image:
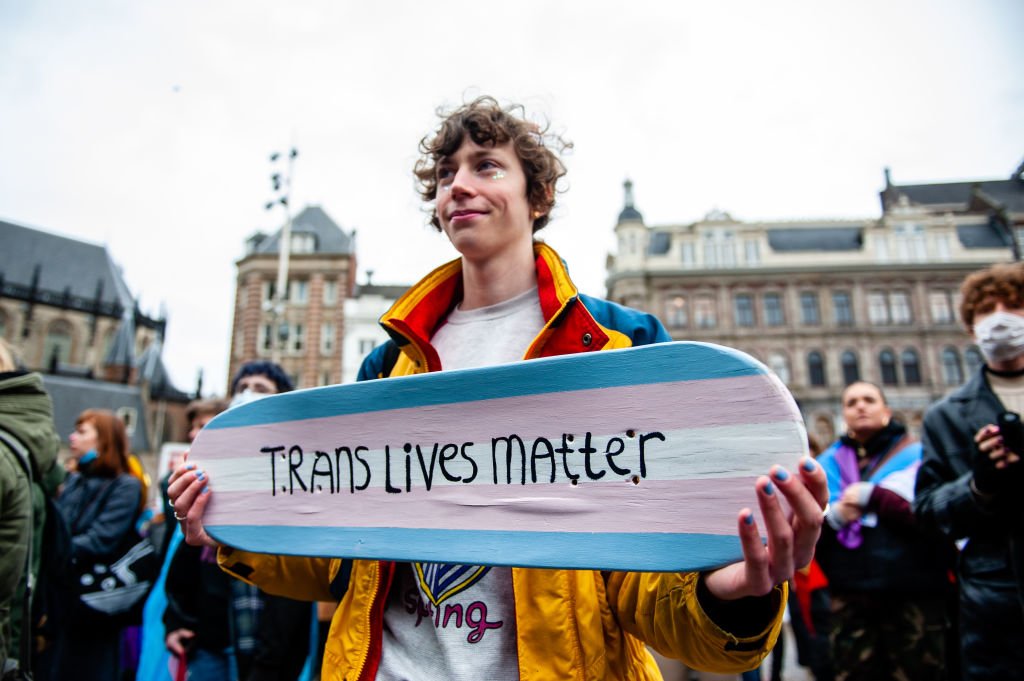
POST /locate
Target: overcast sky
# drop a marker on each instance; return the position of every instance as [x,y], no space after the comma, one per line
[147,126]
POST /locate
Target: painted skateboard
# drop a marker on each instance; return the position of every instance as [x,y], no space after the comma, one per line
[636,459]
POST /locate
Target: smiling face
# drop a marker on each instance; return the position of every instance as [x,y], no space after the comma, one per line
[84,439]
[481,201]
[864,411]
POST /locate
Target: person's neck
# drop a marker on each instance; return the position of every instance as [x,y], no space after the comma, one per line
[496,280]
[1009,366]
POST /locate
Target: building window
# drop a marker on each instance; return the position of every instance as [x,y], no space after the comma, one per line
[899,307]
[57,345]
[298,291]
[325,378]
[704,312]
[752,252]
[810,314]
[779,363]
[815,368]
[972,357]
[911,367]
[878,308]
[297,340]
[851,368]
[130,417]
[676,312]
[719,249]
[326,338]
[952,373]
[366,345]
[330,292]
[266,337]
[887,367]
[744,310]
[882,248]
[942,250]
[773,310]
[910,243]
[940,303]
[303,242]
[842,308]
[689,255]
[268,289]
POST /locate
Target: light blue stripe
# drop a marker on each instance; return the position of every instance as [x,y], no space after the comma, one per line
[649,364]
[654,552]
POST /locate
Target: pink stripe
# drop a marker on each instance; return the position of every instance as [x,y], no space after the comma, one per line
[707,506]
[658,407]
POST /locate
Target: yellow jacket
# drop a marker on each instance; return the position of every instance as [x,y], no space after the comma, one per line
[570,624]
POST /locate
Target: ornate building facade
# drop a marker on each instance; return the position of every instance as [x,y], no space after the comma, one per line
[824,303]
[67,311]
[304,333]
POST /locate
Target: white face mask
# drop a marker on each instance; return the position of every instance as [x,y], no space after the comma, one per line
[245,397]
[1000,336]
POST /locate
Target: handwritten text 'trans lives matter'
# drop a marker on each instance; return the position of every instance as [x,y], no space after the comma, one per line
[508,460]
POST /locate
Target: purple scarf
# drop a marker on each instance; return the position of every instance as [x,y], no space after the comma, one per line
[849,473]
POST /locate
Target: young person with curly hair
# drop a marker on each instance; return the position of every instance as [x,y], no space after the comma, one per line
[490,176]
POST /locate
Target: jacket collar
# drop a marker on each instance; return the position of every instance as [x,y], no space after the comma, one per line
[977,401]
[569,327]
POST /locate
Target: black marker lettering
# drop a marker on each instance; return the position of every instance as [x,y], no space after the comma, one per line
[391,489]
[609,455]
[534,456]
[468,458]
[293,469]
[446,457]
[586,450]
[365,465]
[273,469]
[428,473]
[321,456]
[565,450]
[508,457]
[643,440]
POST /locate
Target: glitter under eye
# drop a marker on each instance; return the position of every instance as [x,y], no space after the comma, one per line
[498,175]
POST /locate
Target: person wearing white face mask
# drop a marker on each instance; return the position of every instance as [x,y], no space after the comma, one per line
[971,477]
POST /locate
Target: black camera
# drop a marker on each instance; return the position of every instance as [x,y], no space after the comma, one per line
[1012,430]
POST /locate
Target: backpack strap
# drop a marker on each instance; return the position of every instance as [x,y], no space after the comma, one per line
[23,456]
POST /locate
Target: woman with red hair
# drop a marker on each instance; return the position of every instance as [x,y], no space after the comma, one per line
[101,502]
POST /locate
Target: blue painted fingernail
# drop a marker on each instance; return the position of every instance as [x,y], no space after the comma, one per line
[749,520]
[190,466]
[768,489]
[781,474]
[200,476]
[809,465]
[206,489]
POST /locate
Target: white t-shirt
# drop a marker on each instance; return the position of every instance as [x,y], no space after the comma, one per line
[458,622]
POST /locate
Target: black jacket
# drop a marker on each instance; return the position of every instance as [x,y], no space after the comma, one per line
[989,569]
[99,510]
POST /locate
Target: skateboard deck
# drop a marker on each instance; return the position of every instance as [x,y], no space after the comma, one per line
[635,459]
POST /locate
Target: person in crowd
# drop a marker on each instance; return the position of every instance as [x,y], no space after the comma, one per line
[26,430]
[225,628]
[101,501]
[888,579]
[971,475]
[491,177]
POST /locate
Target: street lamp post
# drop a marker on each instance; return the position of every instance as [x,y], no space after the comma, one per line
[276,305]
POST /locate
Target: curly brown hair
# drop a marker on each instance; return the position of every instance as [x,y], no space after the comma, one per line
[1003,281]
[488,123]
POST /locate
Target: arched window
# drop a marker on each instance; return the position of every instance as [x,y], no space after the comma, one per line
[815,368]
[57,345]
[911,367]
[779,363]
[851,369]
[952,373]
[887,367]
[973,359]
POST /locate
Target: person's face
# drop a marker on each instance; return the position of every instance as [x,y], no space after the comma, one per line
[989,306]
[257,383]
[198,421]
[864,411]
[481,200]
[83,439]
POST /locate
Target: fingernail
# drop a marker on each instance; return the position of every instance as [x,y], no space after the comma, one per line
[190,466]
[206,489]
[809,465]
[769,489]
[781,474]
[749,520]
[200,476]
